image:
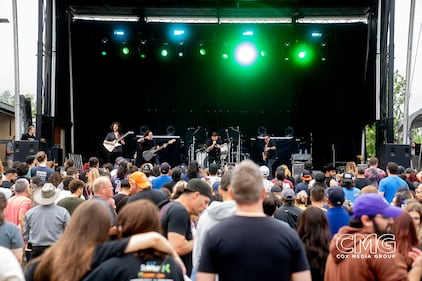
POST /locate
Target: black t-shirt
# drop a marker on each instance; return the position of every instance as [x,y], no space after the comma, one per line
[131,267]
[175,218]
[156,196]
[252,248]
[215,152]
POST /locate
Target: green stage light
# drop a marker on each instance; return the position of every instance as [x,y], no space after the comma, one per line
[125,51]
[164,52]
[202,51]
[104,46]
[303,54]
[246,53]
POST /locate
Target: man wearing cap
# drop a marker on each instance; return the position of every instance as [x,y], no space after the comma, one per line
[140,188]
[176,218]
[165,176]
[330,175]
[213,149]
[337,215]
[45,223]
[288,212]
[265,172]
[304,184]
[251,245]
[365,250]
[350,191]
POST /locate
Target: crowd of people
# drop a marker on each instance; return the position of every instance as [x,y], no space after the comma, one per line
[121,221]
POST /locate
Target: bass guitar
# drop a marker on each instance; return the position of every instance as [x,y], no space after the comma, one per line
[111,146]
[149,154]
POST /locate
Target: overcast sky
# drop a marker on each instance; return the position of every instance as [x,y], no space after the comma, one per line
[28,23]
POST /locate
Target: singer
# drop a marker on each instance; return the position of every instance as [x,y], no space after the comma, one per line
[214,146]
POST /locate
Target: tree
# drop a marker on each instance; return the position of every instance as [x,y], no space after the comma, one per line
[7,98]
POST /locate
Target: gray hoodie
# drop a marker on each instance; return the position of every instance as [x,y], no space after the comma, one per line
[215,212]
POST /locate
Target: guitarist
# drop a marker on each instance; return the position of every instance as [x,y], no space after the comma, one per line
[112,138]
[146,143]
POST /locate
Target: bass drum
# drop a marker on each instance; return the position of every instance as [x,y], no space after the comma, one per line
[224,149]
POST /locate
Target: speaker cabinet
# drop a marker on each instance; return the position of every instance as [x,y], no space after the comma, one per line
[399,153]
[24,148]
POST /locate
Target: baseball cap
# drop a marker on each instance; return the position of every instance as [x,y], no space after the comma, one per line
[288,194]
[199,185]
[140,179]
[306,175]
[165,167]
[336,195]
[347,177]
[372,204]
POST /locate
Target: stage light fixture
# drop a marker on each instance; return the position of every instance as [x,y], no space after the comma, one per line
[143,49]
[323,52]
[202,50]
[180,50]
[164,52]
[104,46]
[125,49]
[286,51]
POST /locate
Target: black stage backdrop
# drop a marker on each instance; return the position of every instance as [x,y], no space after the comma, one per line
[327,104]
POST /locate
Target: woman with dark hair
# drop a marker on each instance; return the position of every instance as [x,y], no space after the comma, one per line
[315,234]
[139,216]
[405,235]
[84,245]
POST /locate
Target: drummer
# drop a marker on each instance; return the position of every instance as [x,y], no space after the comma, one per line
[214,146]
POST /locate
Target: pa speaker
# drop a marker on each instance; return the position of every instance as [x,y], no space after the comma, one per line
[399,153]
[24,148]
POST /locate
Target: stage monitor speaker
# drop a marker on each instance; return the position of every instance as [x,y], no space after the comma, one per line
[24,148]
[57,155]
[399,153]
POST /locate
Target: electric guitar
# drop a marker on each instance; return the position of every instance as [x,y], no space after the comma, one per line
[149,154]
[111,146]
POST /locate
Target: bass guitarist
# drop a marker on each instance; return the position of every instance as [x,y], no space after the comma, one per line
[146,143]
[114,140]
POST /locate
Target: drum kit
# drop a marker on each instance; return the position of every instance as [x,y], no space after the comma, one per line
[229,150]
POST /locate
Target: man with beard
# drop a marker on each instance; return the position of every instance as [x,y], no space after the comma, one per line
[365,250]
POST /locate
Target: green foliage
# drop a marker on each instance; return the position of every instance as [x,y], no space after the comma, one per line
[398,100]
[370,140]
[7,98]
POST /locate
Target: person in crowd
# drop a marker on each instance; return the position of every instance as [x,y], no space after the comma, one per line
[350,191]
[103,192]
[10,234]
[10,152]
[214,146]
[373,173]
[301,200]
[213,175]
[19,204]
[231,245]
[415,211]
[65,262]
[318,197]
[93,162]
[288,211]
[330,173]
[304,182]
[45,223]
[10,176]
[265,172]
[216,212]
[165,176]
[372,218]
[314,232]
[193,171]
[140,216]
[281,180]
[402,196]
[122,196]
[361,181]
[389,185]
[337,215]
[140,188]
[70,203]
[10,268]
[352,168]
[41,169]
[405,235]
[176,218]
[176,175]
